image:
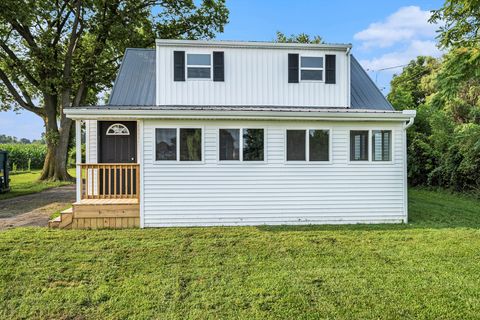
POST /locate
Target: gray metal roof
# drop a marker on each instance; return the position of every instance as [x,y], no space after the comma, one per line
[135,84]
[363,91]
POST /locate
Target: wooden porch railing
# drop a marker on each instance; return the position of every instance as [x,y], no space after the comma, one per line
[110,180]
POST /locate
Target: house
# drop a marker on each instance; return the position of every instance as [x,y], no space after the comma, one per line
[204,133]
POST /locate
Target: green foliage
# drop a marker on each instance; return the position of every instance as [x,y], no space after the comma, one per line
[460,21]
[299,38]
[407,90]
[72,155]
[62,54]
[444,143]
[21,155]
[427,269]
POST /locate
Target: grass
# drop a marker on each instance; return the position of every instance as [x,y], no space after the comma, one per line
[27,183]
[426,269]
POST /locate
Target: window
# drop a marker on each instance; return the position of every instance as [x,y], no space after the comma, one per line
[359,145]
[296,150]
[199,66]
[191,144]
[118,129]
[311,68]
[189,147]
[229,144]
[381,145]
[318,141]
[166,144]
[246,147]
[316,148]
[253,144]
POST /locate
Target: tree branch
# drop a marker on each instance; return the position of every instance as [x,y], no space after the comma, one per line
[18,98]
[67,69]
[19,64]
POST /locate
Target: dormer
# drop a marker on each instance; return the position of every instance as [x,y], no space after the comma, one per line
[227,73]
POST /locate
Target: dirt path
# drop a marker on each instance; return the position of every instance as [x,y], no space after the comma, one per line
[34,209]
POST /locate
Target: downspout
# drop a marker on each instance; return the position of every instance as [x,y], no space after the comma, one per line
[409,123]
[406,125]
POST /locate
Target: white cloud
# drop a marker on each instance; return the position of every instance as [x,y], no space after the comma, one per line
[402,57]
[407,24]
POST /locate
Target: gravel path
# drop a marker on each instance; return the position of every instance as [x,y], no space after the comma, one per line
[34,209]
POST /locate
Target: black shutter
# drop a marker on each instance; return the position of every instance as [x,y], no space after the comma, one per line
[218,66]
[292,68]
[330,68]
[178,65]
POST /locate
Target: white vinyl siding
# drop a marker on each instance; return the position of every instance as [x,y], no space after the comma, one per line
[91,141]
[273,191]
[253,77]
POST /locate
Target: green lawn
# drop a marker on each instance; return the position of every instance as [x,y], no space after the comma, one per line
[27,183]
[428,269]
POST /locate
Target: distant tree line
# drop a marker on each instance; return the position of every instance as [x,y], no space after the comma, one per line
[11,139]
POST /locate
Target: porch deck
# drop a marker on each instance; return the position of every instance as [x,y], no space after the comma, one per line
[108,198]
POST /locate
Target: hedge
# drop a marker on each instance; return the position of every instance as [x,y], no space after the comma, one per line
[21,154]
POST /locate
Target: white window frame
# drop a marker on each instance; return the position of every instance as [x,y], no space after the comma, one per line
[370,160]
[198,66]
[390,146]
[307,147]
[127,133]
[241,146]
[177,161]
[300,68]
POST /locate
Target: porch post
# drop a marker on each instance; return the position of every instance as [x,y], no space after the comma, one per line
[78,154]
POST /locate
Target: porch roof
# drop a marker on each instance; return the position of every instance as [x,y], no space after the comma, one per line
[235,112]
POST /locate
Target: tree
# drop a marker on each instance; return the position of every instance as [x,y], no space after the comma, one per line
[407,90]
[299,38]
[61,54]
[461,23]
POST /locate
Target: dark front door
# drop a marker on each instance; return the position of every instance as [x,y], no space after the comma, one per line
[118,142]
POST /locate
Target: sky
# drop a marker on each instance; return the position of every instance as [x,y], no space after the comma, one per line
[384,34]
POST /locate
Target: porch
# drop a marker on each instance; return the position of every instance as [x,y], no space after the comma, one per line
[109,198]
[107,194]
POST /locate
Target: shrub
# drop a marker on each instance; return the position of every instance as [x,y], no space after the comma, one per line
[22,155]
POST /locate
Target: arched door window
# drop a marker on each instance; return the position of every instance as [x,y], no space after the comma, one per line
[118,129]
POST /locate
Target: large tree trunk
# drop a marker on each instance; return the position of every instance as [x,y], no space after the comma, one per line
[55,165]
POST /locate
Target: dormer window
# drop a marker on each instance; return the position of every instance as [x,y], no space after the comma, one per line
[199,66]
[311,68]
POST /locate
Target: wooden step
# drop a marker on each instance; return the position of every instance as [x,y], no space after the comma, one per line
[67,218]
[54,223]
[63,221]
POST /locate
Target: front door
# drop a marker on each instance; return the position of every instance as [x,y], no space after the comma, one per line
[118,142]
